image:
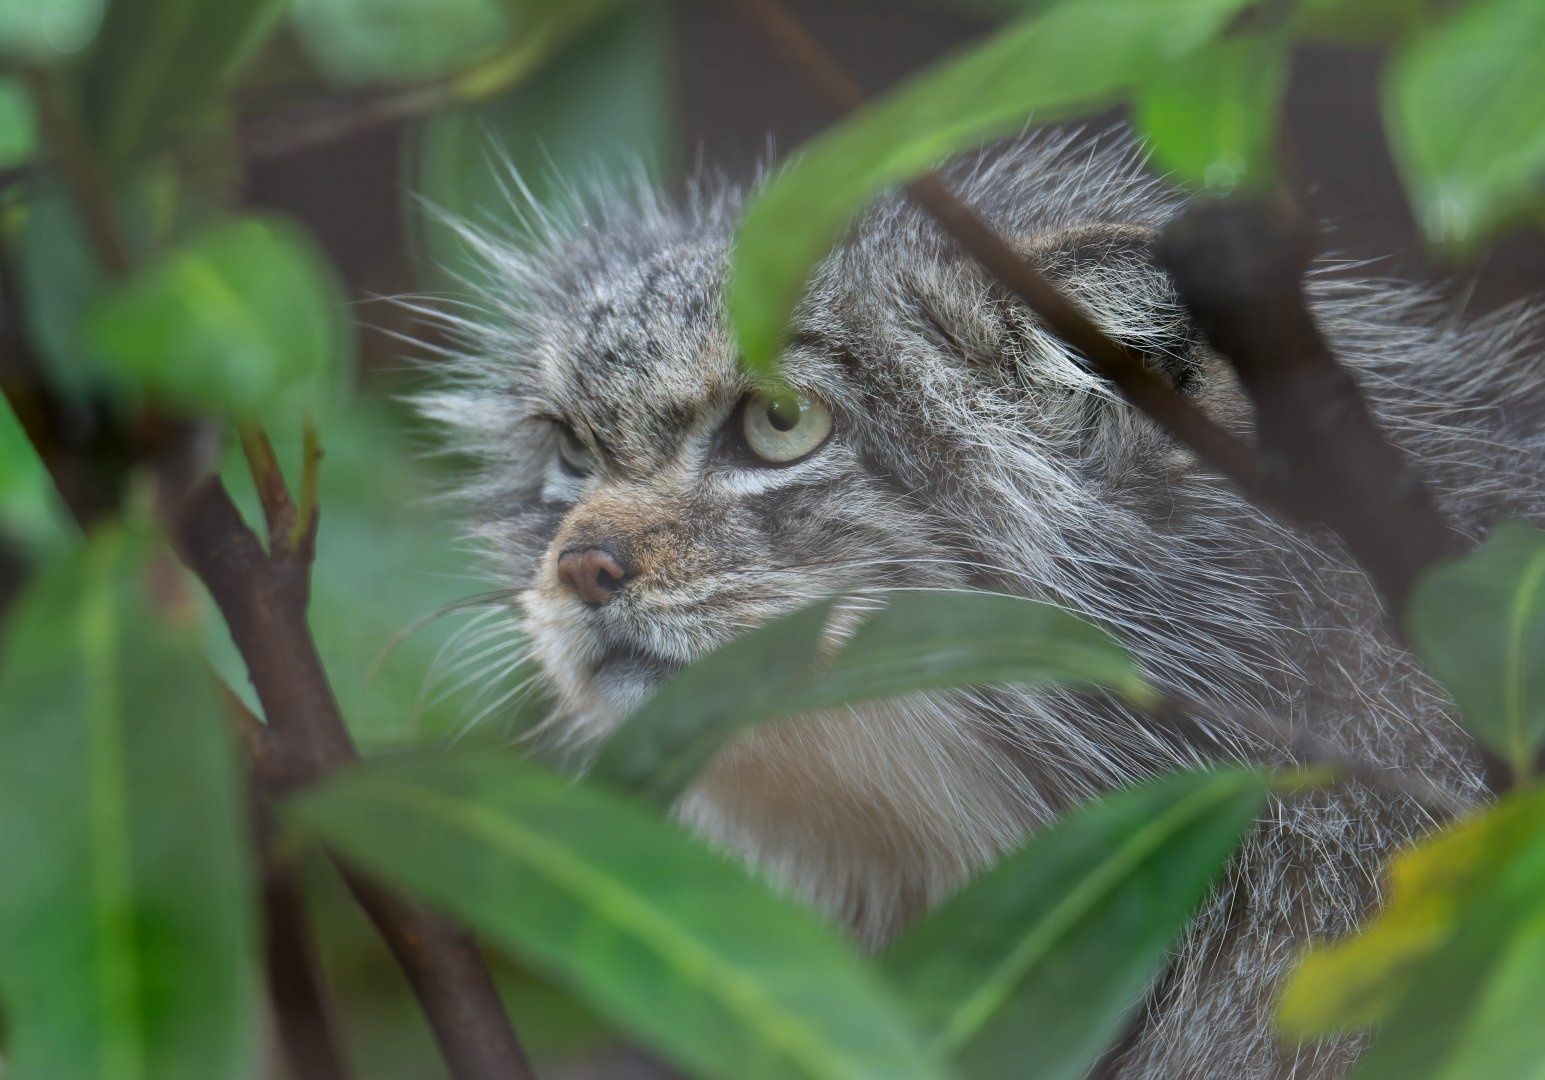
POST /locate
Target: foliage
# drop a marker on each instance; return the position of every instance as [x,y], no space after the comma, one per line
[129,943]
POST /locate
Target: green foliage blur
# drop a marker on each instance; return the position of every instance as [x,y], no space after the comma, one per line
[138,286]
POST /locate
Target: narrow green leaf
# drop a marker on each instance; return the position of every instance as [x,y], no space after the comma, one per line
[1478,624]
[1075,57]
[49,30]
[1213,117]
[159,62]
[245,318]
[920,640]
[1464,103]
[1355,983]
[126,925]
[361,41]
[1030,970]
[1469,1007]
[668,940]
[597,106]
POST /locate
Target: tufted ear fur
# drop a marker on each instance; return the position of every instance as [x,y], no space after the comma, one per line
[1109,271]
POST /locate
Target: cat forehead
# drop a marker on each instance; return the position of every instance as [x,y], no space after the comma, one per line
[643,348]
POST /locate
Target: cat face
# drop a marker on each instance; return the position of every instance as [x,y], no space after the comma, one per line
[675,501]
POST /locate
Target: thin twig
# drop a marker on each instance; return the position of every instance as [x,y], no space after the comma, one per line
[308,511]
[273,495]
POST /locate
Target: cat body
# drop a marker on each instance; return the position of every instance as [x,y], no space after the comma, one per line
[628,504]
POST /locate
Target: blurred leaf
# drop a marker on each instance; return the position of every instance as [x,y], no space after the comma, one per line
[1030,970]
[126,928]
[362,41]
[1359,21]
[18,127]
[245,318]
[1213,117]
[1471,1007]
[593,114]
[920,640]
[1356,983]
[30,510]
[1464,102]
[1073,58]
[159,62]
[60,272]
[672,942]
[47,30]
[1478,624]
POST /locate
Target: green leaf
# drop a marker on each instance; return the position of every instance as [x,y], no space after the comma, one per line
[1468,1006]
[245,318]
[18,127]
[668,940]
[1213,117]
[1478,624]
[158,63]
[1074,58]
[30,510]
[1030,970]
[593,113]
[920,640]
[1464,103]
[126,922]
[48,30]
[1355,983]
[361,41]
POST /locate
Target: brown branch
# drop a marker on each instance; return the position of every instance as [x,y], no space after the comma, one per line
[263,597]
[302,1011]
[1238,267]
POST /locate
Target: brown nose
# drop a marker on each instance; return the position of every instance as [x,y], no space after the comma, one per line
[592,573]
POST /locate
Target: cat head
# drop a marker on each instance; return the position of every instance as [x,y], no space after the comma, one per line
[646,498]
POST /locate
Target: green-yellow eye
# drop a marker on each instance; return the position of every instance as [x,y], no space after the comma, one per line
[782,426]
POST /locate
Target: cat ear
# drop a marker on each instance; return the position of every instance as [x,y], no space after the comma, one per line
[1108,270]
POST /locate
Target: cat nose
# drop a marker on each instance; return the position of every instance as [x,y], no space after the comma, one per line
[592,574]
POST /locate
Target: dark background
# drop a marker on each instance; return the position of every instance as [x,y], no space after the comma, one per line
[736,96]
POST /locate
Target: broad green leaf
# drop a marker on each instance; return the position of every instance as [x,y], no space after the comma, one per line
[1356,982]
[1471,1007]
[1213,117]
[18,127]
[1464,103]
[920,640]
[1075,57]
[670,941]
[1478,624]
[126,921]
[1030,970]
[362,41]
[596,111]
[246,318]
[46,30]
[159,62]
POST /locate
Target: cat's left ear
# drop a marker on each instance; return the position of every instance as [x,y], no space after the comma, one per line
[1109,271]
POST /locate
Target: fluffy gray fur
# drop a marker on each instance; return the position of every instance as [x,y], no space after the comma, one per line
[971,450]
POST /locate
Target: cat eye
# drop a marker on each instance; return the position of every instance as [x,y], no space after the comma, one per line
[782,426]
[576,457]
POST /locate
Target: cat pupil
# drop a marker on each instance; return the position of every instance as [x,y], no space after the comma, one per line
[783,413]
